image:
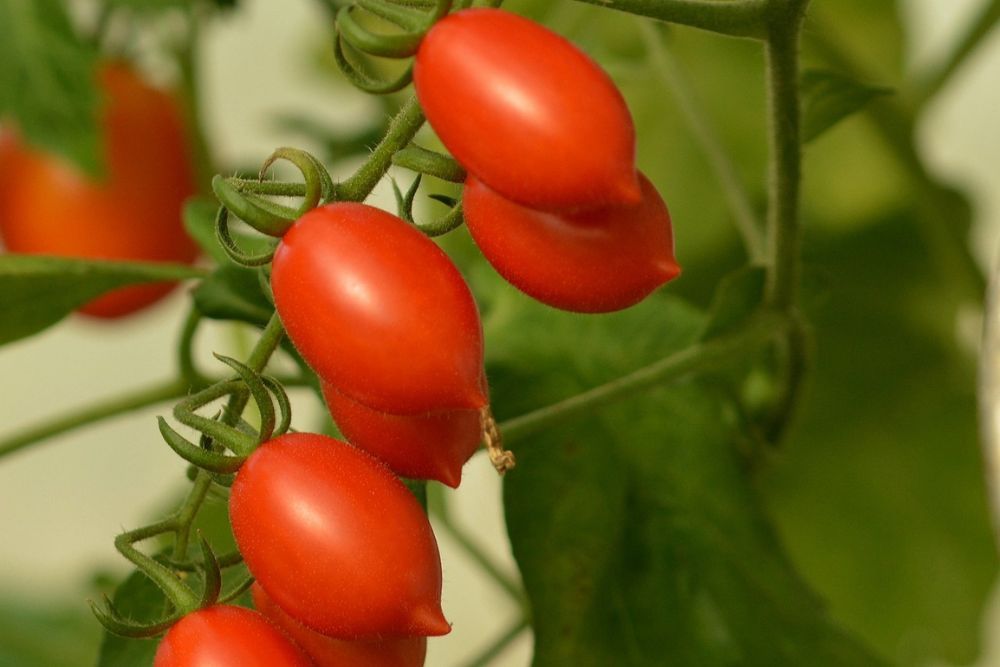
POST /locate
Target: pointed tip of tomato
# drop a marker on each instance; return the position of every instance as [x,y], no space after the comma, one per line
[428,620]
[667,268]
[447,474]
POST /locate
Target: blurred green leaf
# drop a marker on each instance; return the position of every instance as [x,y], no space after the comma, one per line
[37,291]
[199,222]
[47,80]
[880,493]
[737,297]
[639,536]
[138,599]
[828,97]
[37,635]
[233,293]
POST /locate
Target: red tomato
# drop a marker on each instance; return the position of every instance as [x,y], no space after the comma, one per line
[226,635]
[336,539]
[329,652]
[526,111]
[425,446]
[378,310]
[48,206]
[590,262]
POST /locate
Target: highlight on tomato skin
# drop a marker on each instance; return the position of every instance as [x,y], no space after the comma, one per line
[379,310]
[227,635]
[48,206]
[432,445]
[336,540]
[595,261]
[331,652]
[526,111]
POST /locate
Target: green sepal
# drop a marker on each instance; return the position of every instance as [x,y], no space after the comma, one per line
[207,460]
[362,80]
[114,623]
[266,217]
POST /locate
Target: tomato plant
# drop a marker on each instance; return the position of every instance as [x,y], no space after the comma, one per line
[591,261]
[336,540]
[422,446]
[355,288]
[50,207]
[227,635]
[331,652]
[526,112]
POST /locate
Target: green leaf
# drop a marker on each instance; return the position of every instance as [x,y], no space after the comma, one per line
[737,297]
[233,293]
[880,492]
[42,635]
[138,599]
[37,291]
[199,222]
[828,97]
[47,80]
[638,532]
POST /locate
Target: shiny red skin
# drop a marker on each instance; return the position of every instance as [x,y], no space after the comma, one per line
[336,539]
[330,652]
[424,446]
[526,111]
[226,635]
[589,262]
[377,309]
[49,207]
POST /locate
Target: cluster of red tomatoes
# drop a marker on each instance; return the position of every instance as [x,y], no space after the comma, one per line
[344,558]
[553,198]
[387,322]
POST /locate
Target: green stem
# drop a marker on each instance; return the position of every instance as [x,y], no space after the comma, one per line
[498,646]
[784,133]
[675,367]
[974,35]
[187,60]
[736,18]
[438,504]
[272,188]
[133,400]
[185,352]
[736,195]
[268,342]
[401,131]
[188,511]
[182,597]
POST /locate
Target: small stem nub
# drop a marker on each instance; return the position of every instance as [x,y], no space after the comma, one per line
[502,459]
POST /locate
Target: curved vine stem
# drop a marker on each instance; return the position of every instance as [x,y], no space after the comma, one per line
[673,368]
[736,18]
[135,399]
[980,27]
[785,139]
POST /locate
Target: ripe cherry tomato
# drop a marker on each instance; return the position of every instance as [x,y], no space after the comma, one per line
[526,111]
[47,206]
[226,635]
[329,652]
[336,540]
[425,446]
[593,261]
[379,311]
